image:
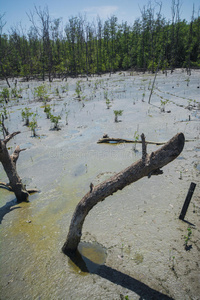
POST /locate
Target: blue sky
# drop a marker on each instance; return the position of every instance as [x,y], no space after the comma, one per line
[126,10]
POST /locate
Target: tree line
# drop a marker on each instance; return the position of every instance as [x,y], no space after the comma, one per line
[86,48]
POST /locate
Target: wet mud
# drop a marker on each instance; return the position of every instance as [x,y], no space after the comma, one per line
[133,242]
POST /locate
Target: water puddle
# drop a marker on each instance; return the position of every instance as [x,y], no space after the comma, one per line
[88,258]
[197,166]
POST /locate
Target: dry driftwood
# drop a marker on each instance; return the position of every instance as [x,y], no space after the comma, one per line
[119,140]
[148,165]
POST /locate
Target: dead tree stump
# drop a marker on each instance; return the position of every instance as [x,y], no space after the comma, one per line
[9,164]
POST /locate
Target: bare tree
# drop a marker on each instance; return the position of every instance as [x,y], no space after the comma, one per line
[43,30]
[9,164]
[148,165]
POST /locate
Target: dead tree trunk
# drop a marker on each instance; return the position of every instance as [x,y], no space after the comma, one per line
[148,165]
[9,164]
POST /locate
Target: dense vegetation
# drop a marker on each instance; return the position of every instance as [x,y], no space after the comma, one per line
[95,47]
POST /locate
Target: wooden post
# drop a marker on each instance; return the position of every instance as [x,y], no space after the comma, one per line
[187,200]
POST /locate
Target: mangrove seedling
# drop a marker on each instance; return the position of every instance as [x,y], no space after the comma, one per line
[4,95]
[187,238]
[47,110]
[163,103]
[78,90]
[25,115]
[40,92]
[65,88]
[188,81]
[136,138]
[57,92]
[66,117]
[117,113]
[55,121]
[33,125]
[108,103]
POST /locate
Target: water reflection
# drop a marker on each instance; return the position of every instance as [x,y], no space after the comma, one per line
[8,207]
[88,258]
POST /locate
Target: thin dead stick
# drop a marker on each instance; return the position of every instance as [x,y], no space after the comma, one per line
[111,141]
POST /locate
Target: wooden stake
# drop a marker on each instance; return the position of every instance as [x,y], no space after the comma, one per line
[187,201]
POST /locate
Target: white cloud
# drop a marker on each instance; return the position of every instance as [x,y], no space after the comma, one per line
[102,11]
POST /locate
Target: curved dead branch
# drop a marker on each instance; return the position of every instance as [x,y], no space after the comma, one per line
[148,165]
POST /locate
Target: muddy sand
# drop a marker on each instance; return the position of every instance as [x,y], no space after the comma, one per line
[133,243]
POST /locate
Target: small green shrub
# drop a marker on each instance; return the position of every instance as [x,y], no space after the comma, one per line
[108,103]
[55,121]
[33,125]
[5,95]
[25,115]
[40,92]
[47,110]
[117,113]
[187,237]
[78,89]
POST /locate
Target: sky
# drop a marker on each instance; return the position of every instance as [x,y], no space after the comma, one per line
[125,10]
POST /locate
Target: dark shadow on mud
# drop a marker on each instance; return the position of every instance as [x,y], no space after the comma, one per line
[8,208]
[189,223]
[117,277]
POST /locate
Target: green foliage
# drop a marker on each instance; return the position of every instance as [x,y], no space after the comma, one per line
[40,92]
[163,102]
[55,120]
[5,112]
[108,103]
[187,237]
[107,46]
[47,110]
[78,89]
[16,93]
[26,115]
[136,136]
[152,66]
[65,88]
[57,92]
[33,125]
[117,113]
[4,95]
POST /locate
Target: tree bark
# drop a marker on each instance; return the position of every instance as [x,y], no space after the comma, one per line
[9,164]
[148,165]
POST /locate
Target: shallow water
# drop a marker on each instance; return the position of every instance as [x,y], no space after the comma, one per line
[62,164]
